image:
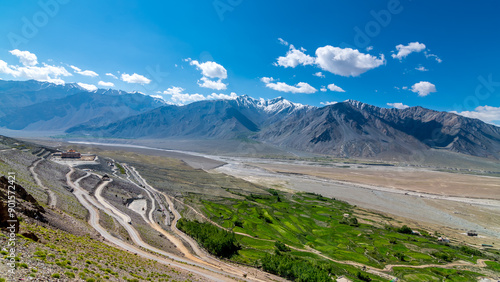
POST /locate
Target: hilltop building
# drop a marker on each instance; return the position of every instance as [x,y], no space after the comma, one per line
[71,154]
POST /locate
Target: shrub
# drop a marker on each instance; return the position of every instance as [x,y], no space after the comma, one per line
[405,230]
[215,240]
[281,247]
[69,274]
[238,223]
[363,277]
[56,275]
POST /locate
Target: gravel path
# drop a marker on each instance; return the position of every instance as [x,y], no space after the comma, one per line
[52,200]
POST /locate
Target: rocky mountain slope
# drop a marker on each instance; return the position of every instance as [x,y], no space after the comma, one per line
[33,105]
[356,129]
[219,119]
[348,129]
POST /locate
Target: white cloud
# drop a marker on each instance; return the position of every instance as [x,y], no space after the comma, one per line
[135,78]
[212,84]
[319,74]
[423,88]
[47,73]
[283,42]
[340,61]
[428,55]
[323,89]
[88,87]
[405,50]
[215,96]
[421,68]
[106,84]
[178,97]
[294,58]
[266,80]
[112,75]
[369,48]
[400,106]
[85,72]
[30,70]
[26,58]
[487,114]
[346,62]
[335,88]
[328,103]
[300,87]
[210,69]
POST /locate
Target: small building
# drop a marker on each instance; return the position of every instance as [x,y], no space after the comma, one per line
[443,239]
[106,178]
[471,233]
[71,154]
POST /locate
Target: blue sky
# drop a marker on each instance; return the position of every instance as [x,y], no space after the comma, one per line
[447,55]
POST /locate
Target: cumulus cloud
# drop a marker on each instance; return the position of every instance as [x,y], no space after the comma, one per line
[340,61]
[487,114]
[300,87]
[423,88]
[25,57]
[135,78]
[48,73]
[347,61]
[210,69]
[293,58]
[400,106]
[405,50]
[178,97]
[266,80]
[328,103]
[85,72]
[213,74]
[106,84]
[112,75]
[335,88]
[319,74]
[88,87]
[323,89]
[212,84]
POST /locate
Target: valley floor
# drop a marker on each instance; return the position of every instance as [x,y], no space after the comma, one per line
[427,199]
[453,202]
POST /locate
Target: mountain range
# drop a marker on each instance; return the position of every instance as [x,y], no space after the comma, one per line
[33,105]
[346,129]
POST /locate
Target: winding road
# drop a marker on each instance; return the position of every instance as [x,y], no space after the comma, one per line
[93,207]
[202,256]
[52,198]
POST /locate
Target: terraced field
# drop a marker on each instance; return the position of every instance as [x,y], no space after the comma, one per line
[317,228]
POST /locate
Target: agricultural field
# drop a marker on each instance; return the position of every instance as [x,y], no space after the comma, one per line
[317,228]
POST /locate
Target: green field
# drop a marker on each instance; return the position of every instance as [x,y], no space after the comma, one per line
[305,220]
